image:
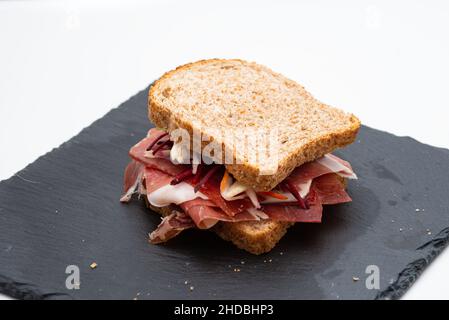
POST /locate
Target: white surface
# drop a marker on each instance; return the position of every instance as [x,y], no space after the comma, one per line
[65,64]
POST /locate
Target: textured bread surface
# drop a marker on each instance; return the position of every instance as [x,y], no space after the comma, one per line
[256,237]
[229,94]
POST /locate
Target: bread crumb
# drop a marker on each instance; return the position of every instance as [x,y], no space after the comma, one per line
[191,288]
[137,296]
[355,279]
[242,262]
[93,265]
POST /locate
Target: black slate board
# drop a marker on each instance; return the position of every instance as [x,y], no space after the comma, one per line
[63,210]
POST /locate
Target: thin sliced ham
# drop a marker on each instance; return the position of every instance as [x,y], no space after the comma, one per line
[161,193]
[294,213]
[302,176]
[337,165]
[139,153]
[155,179]
[133,175]
[318,182]
[325,190]
[330,189]
[206,214]
[171,226]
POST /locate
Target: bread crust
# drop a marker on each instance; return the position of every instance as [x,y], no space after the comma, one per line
[245,172]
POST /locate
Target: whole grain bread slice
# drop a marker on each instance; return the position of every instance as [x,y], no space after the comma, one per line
[229,94]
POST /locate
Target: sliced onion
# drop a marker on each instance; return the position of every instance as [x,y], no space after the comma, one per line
[258,213]
[253,197]
[234,189]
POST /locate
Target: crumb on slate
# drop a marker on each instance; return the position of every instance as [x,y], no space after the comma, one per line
[93,265]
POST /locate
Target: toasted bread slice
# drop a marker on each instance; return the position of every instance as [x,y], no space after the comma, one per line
[229,94]
[256,237]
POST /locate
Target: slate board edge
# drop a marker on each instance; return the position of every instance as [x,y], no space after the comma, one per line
[25,291]
[414,269]
[396,290]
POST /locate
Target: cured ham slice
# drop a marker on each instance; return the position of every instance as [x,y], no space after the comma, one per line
[202,205]
[133,175]
[139,153]
[302,176]
[330,189]
[155,179]
[294,213]
[206,214]
[171,226]
[337,165]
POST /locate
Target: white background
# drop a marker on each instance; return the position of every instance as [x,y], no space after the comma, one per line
[65,64]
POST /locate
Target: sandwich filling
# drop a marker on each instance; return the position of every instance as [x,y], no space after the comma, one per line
[205,195]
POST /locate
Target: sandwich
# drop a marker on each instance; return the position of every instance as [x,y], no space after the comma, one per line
[240,150]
